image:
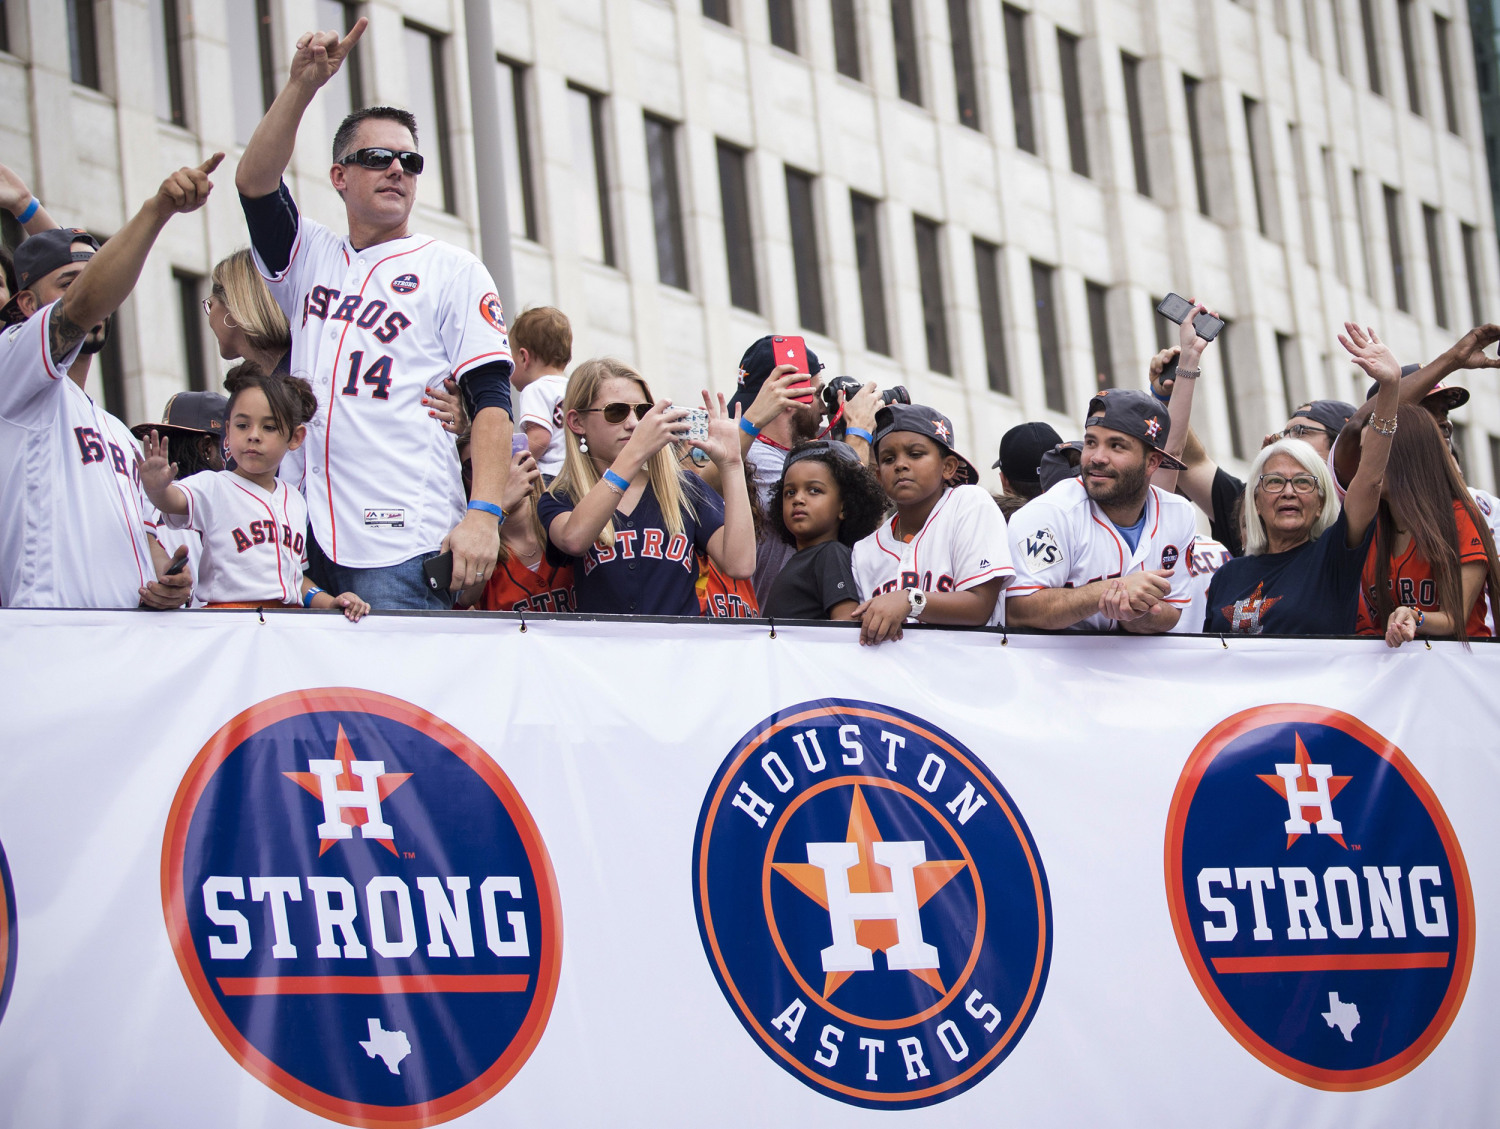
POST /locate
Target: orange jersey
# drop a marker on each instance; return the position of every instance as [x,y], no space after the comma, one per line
[515,588]
[1412,584]
[723,598]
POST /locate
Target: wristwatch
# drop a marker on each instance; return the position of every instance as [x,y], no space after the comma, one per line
[918,601]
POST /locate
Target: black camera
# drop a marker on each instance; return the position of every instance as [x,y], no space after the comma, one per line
[849,386]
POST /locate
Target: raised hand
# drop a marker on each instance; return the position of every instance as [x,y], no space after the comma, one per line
[1371,354]
[187,189]
[14,195]
[319,54]
[723,442]
[663,424]
[1163,388]
[775,396]
[860,409]
[523,472]
[1469,352]
[1187,335]
[157,472]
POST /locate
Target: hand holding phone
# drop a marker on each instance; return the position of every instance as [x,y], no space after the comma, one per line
[438,572]
[1174,307]
[793,351]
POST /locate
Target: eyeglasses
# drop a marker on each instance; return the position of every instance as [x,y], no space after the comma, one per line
[616,413]
[380,159]
[1276,483]
[1303,430]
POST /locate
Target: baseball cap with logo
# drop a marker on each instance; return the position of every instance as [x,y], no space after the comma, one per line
[922,420]
[41,254]
[1442,398]
[1331,414]
[1134,413]
[189,414]
[756,366]
[1022,448]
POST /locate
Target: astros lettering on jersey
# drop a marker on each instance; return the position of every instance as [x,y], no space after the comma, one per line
[253,539]
[373,330]
[72,517]
[1207,557]
[1064,540]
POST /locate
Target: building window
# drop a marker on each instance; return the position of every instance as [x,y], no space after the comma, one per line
[1231,397]
[1098,303]
[964,78]
[1304,194]
[783,17]
[1190,88]
[1335,215]
[908,68]
[515,147]
[1398,246]
[930,276]
[739,244]
[846,39]
[666,201]
[1020,78]
[1338,37]
[1258,171]
[4,28]
[1078,145]
[866,215]
[1432,226]
[1409,55]
[112,372]
[804,224]
[190,308]
[1048,337]
[1445,72]
[427,88]
[1310,28]
[1472,268]
[252,77]
[1372,47]
[83,43]
[1130,67]
[1287,360]
[1362,224]
[987,269]
[345,92]
[717,10]
[591,215]
[166,43]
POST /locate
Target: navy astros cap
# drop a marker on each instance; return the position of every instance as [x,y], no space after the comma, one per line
[1332,414]
[922,420]
[41,254]
[1134,413]
[1022,448]
[756,366]
[1061,463]
[188,413]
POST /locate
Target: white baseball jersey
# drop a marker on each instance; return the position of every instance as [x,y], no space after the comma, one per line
[961,545]
[1063,540]
[541,404]
[373,330]
[72,524]
[1207,557]
[253,539]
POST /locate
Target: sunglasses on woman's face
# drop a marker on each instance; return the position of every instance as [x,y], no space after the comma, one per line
[380,159]
[616,413]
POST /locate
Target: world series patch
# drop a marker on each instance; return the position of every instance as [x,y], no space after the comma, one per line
[872,904]
[1319,896]
[7,934]
[362,907]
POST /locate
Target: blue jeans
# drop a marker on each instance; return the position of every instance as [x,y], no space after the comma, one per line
[397,587]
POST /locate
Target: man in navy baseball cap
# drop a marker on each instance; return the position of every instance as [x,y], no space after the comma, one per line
[1137,414]
[756,367]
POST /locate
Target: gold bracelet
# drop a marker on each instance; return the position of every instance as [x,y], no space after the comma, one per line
[1386,427]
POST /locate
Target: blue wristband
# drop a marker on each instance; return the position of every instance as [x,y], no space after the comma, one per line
[749,428]
[489,508]
[614,480]
[31,210]
[860,433]
[307,597]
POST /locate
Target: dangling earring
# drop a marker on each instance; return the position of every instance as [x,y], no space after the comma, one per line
[229,322]
[583,445]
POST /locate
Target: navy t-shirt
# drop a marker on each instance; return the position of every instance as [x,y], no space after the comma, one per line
[647,571]
[1310,590]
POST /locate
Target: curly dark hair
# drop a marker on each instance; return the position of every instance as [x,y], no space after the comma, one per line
[290,398]
[863,500]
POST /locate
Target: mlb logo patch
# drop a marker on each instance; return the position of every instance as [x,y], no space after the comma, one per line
[406,284]
[362,907]
[1319,896]
[872,904]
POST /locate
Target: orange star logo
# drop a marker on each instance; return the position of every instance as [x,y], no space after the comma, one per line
[354,817]
[869,877]
[1335,786]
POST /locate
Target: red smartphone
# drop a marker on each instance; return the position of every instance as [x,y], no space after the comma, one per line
[793,351]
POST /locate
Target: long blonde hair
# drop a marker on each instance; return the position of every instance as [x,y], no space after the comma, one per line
[578,475]
[239,286]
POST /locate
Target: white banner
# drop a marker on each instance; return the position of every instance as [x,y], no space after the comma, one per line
[421,869]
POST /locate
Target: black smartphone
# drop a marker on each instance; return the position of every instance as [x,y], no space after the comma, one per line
[1206,326]
[1168,370]
[178,565]
[438,572]
[1174,307]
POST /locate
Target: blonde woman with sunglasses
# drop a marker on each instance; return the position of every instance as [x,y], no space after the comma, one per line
[629,519]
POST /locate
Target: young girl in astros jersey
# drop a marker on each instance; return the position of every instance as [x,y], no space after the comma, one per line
[944,556]
[622,510]
[253,525]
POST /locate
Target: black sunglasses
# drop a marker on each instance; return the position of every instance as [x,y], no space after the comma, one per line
[616,413]
[380,159]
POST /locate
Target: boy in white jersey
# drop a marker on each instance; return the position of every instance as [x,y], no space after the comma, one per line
[541,340]
[943,557]
[251,522]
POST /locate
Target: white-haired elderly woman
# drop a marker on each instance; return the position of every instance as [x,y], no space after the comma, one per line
[1303,556]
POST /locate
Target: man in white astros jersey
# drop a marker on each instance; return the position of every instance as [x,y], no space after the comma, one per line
[1107,549]
[73,528]
[379,317]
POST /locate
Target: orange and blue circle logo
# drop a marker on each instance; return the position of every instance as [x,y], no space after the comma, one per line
[7,934]
[1319,896]
[900,941]
[362,907]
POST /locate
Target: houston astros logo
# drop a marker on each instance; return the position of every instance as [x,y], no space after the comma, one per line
[489,306]
[405,284]
[874,965]
[1319,896]
[7,934]
[362,907]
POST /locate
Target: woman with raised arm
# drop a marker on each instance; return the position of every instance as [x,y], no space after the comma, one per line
[1301,568]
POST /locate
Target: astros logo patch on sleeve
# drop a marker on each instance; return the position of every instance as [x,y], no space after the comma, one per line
[362,907]
[871,903]
[1319,896]
[7,934]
